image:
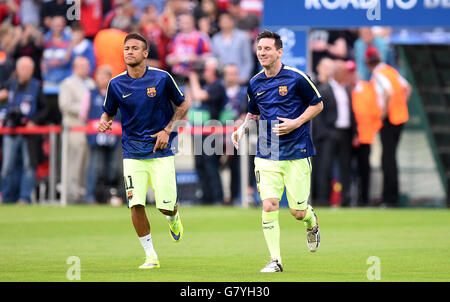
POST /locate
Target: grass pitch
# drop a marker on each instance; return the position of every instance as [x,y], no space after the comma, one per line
[222,244]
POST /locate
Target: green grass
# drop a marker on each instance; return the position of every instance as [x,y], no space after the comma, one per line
[222,244]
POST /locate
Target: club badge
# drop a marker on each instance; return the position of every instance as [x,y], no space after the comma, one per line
[151,92]
[282,90]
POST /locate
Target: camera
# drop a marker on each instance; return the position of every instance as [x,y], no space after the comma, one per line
[14,118]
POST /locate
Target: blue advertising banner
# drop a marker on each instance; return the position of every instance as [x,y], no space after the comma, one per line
[295,47]
[435,35]
[354,13]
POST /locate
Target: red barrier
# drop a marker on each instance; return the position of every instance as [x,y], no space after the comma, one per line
[197,130]
[31,130]
[117,130]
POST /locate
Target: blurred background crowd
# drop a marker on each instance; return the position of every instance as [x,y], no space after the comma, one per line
[55,67]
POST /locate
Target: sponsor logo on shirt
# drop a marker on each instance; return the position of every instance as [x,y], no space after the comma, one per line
[260,93]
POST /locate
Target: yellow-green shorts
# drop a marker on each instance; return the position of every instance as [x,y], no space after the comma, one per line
[272,176]
[158,173]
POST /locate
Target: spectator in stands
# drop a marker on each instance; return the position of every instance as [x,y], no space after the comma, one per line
[73,91]
[6,60]
[204,25]
[245,20]
[235,109]
[92,12]
[18,155]
[102,146]
[324,70]
[8,10]
[56,65]
[4,93]
[168,18]
[189,47]
[334,132]
[108,47]
[52,8]
[81,46]
[29,12]
[206,15]
[30,44]
[393,92]
[121,17]
[212,97]
[366,39]
[10,35]
[368,122]
[141,5]
[236,104]
[232,46]
[152,31]
[333,44]
[320,130]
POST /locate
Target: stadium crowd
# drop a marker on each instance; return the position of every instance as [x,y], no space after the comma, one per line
[55,67]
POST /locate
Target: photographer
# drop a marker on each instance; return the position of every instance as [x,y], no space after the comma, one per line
[21,152]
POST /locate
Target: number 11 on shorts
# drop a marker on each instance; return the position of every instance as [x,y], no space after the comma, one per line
[130,186]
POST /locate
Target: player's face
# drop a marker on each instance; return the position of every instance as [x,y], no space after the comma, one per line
[134,52]
[267,53]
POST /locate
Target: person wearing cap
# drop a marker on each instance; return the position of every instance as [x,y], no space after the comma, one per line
[368,123]
[365,40]
[393,92]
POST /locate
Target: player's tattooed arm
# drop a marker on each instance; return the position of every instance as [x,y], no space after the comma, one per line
[105,122]
[250,120]
[180,112]
[162,137]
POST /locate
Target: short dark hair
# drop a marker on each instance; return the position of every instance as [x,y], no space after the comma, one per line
[270,35]
[136,36]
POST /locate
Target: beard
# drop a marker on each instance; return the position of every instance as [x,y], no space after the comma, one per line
[134,63]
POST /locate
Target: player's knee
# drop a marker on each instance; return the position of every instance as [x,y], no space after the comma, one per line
[167,212]
[137,208]
[299,215]
[270,205]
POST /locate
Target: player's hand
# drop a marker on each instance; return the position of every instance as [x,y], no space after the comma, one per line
[236,137]
[104,125]
[287,126]
[162,140]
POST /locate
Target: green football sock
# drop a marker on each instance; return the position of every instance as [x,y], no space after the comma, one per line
[271,230]
[310,220]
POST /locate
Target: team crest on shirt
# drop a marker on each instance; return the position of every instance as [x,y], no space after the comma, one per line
[151,92]
[130,195]
[282,90]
